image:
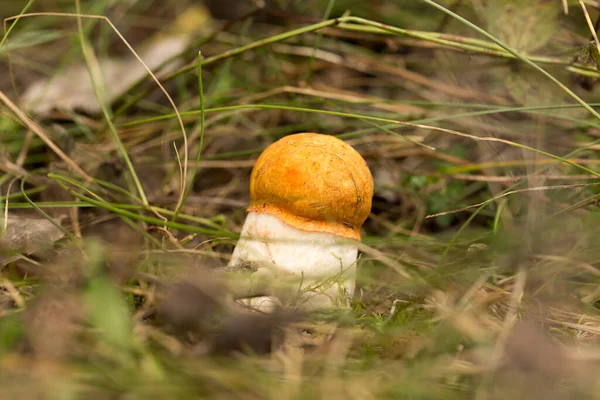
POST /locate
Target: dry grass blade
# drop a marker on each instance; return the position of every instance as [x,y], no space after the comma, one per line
[590,24]
[511,192]
[120,299]
[31,125]
[504,141]
[130,48]
[509,321]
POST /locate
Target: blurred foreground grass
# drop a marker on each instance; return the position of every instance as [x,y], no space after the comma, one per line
[479,274]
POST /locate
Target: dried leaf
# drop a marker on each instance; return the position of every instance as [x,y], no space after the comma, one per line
[529,88]
[73,88]
[526,25]
[25,235]
[589,56]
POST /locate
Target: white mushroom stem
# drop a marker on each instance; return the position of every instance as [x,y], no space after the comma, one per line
[323,264]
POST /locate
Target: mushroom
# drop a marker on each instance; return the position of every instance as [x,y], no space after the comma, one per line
[311,193]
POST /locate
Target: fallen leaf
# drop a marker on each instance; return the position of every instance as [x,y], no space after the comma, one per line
[526,25]
[73,88]
[25,235]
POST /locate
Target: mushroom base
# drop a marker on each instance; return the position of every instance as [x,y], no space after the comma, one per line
[317,270]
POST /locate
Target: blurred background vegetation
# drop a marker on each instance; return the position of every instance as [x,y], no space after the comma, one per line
[480,269]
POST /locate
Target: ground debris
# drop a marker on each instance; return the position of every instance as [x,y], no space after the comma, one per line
[26,235]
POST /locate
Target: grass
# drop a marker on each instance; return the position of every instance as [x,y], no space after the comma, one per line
[479,267]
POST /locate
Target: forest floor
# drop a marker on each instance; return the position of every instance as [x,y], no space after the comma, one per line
[123,194]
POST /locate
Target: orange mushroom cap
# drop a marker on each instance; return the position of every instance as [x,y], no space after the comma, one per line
[315,183]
